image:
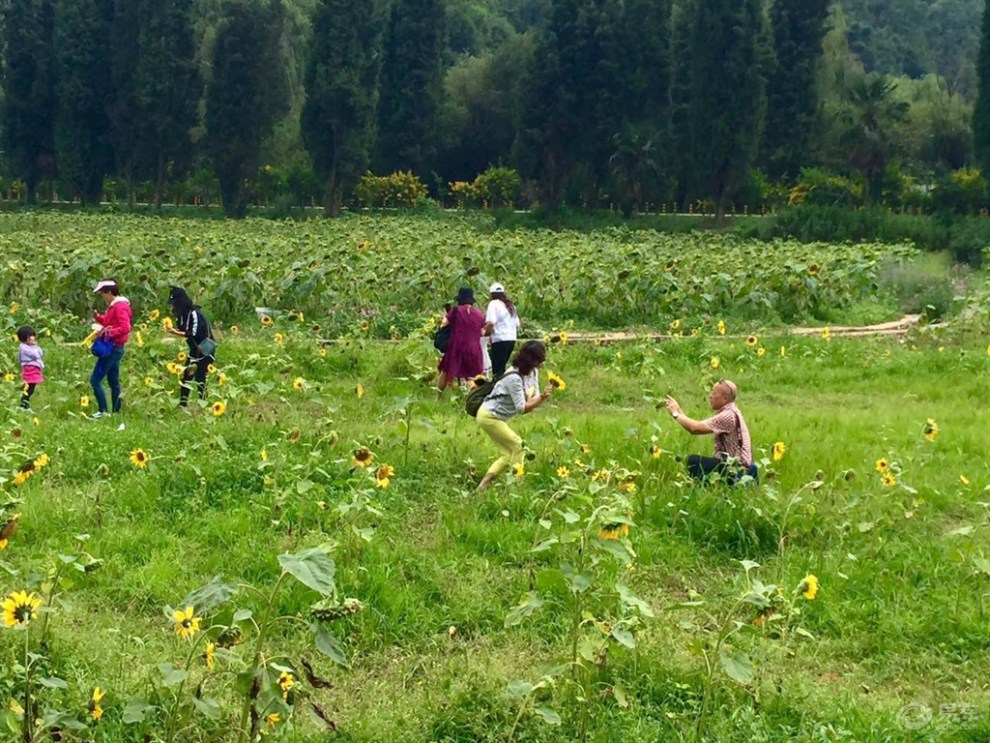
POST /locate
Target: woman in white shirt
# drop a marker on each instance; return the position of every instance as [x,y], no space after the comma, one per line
[502,325]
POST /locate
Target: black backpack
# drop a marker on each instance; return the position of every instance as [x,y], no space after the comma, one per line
[472,403]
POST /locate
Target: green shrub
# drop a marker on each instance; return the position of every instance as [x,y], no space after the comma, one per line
[918,288]
[969,240]
[963,191]
[825,188]
[401,189]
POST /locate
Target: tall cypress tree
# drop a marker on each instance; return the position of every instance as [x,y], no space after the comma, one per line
[411,87]
[245,97]
[28,93]
[682,142]
[82,36]
[167,91]
[124,52]
[981,110]
[730,56]
[342,75]
[792,95]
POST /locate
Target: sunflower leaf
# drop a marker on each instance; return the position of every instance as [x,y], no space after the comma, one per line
[211,595]
[328,644]
[312,568]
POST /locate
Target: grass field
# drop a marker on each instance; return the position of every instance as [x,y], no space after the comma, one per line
[467,633]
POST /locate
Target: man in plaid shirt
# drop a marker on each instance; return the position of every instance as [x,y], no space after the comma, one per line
[733,451]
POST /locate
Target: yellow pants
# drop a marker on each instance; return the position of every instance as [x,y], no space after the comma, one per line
[506,440]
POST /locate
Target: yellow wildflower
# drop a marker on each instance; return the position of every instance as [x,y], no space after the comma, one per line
[95,710]
[888,480]
[186,622]
[518,471]
[84,401]
[167,323]
[298,383]
[359,390]
[715,362]
[721,327]
[761,351]
[826,333]
[809,587]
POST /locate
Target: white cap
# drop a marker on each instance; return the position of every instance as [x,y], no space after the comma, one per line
[105,284]
[496,288]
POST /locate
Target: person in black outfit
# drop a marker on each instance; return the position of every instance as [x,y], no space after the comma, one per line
[191,324]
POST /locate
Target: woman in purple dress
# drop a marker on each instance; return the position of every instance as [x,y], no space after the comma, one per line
[463,358]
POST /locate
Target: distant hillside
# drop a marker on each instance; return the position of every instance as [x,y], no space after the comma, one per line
[916,37]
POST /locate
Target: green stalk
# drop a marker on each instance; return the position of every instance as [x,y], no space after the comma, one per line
[258,645]
[26,727]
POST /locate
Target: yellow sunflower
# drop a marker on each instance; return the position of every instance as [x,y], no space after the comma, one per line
[761,351]
[518,471]
[167,323]
[186,622]
[95,710]
[383,476]
[266,321]
[888,480]
[556,382]
[809,587]
[148,381]
[139,458]
[19,608]
[209,655]
[298,383]
[139,339]
[359,390]
[363,458]
[779,449]
[84,401]
[613,531]
[752,340]
[931,430]
[715,363]
[563,473]
[882,465]
[219,408]
[656,451]
[827,333]
[182,357]
[783,351]
[676,325]
[272,719]
[285,683]
[279,339]
[234,330]
[153,317]
[963,479]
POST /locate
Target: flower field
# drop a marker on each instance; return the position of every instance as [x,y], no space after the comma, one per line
[300,556]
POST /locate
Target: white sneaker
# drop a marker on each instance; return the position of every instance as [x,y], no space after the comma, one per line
[99,414]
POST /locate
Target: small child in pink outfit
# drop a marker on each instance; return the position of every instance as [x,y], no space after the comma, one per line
[29,356]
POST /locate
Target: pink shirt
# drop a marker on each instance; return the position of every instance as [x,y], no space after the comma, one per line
[731,434]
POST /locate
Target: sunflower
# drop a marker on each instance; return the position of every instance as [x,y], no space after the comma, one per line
[518,471]
[219,408]
[363,458]
[715,362]
[656,451]
[42,461]
[676,325]
[298,383]
[601,474]
[8,377]
[888,480]
[153,317]
[563,338]
[148,381]
[139,339]
[186,622]
[95,710]
[266,321]
[779,450]
[613,531]
[761,351]
[272,719]
[209,655]
[19,608]
[172,368]
[628,486]
[139,458]
[230,637]
[264,455]
[182,357]
[383,475]
[167,323]
[222,379]
[931,430]
[556,382]
[279,339]
[826,333]
[234,330]
[809,587]
[84,401]
[882,465]
[20,478]
[285,683]
[212,369]
[813,270]
[563,473]
[752,340]
[323,353]
[359,390]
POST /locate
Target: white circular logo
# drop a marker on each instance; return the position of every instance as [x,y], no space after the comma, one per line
[914,716]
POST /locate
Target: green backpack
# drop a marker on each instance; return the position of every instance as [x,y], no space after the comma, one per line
[472,403]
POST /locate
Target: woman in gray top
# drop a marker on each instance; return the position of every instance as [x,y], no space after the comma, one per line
[508,398]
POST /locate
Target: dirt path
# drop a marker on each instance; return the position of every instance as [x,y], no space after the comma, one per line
[896,327]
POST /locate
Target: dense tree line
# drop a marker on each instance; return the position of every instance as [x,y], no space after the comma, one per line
[594,102]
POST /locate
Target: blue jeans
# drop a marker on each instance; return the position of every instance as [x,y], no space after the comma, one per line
[109,367]
[701,467]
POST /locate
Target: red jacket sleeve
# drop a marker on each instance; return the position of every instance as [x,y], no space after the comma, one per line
[118,322]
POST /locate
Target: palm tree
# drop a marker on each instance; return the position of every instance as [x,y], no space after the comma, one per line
[634,164]
[866,128]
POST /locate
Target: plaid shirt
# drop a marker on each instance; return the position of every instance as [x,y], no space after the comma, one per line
[731,434]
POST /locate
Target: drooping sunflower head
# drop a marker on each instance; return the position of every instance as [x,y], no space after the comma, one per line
[363,457]
[139,458]
[19,608]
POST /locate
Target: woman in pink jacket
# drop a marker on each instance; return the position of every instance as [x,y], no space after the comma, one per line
[116,322]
